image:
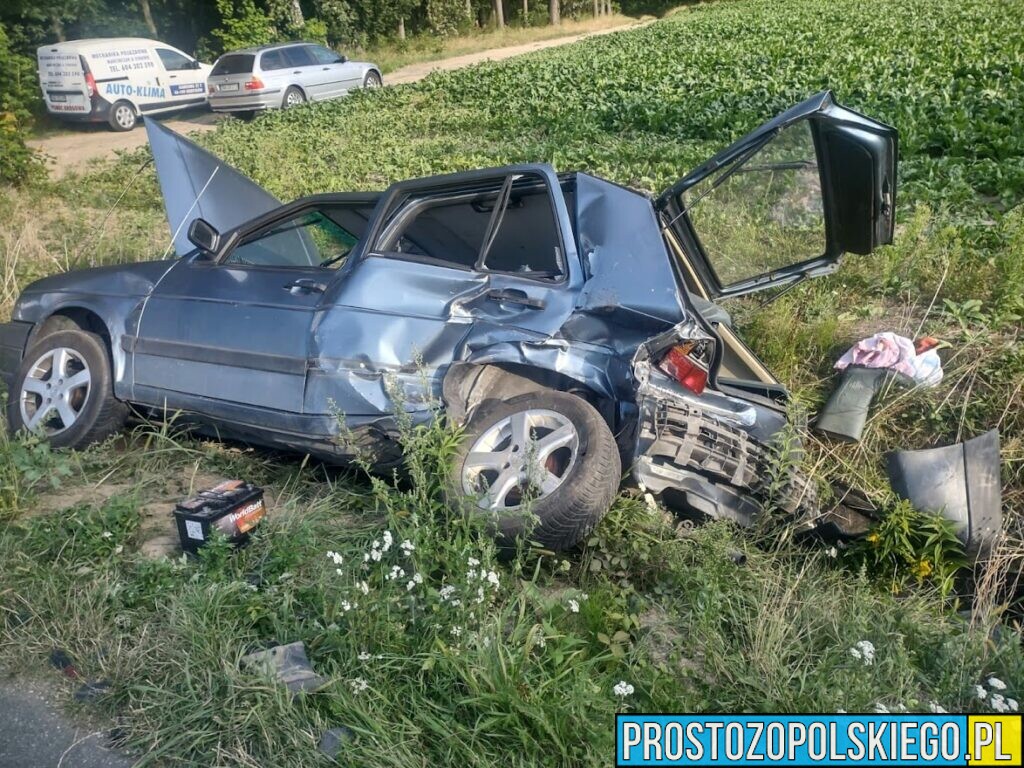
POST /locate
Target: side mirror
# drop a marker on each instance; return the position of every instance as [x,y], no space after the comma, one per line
[342,58]
[204,236]
[196,64]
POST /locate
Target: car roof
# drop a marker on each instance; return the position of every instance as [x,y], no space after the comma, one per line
[269,47]
[88,44]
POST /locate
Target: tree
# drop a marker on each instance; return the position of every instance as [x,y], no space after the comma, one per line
[147,16]
[499,14]
[555,12]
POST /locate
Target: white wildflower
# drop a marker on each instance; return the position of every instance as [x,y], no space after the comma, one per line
[472,562]
[998,702]
[447,591]
[119,549]
[901,707]
[339,571]
[359,685]
[541,641]
[347,606]
[1012,704]
[936,709]
[107,535]
[980,693]
[881,709]
[492,577]
[397,572]
[364,587]
[456,631]
[622,689]
[375,555]
[574,606]
[833,552]
[335,557]
[388,541]
[584,596]
[408,547]
[365,655]
[865,651]
[471,574]
[996,684]
[480,594]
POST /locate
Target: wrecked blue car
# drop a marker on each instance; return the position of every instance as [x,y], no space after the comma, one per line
[570,325]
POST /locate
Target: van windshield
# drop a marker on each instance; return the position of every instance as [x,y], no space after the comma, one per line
[234,64]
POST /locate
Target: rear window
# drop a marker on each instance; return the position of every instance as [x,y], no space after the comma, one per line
[234,64]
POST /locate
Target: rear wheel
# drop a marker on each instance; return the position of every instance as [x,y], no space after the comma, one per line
[293,97]
[122,116]
[543,465]
[64,391]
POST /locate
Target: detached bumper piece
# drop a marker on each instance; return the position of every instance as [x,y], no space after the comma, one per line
[697,463]
[960,482]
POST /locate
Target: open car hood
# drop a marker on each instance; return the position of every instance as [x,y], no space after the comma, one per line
[195,184]
[850,161]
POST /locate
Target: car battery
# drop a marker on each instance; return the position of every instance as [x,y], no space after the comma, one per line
[233,508]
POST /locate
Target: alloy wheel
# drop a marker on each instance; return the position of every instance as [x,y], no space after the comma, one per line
[527,455]
[55,391]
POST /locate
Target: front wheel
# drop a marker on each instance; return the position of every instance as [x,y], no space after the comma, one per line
[372,80]
[64,391]
[543,465]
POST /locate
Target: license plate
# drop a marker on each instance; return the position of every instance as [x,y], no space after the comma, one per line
[228,87]
[58,97]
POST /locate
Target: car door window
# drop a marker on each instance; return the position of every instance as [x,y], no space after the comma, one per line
[762,212]
[298,56]
[174,61]
[323,56]
[462,228]
[318,238]
[272,60]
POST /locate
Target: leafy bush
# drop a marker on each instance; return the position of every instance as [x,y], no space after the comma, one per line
[19,97]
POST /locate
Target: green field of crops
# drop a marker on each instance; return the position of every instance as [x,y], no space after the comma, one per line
[526,675]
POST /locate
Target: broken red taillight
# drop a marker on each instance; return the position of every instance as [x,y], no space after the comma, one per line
[255,84]
[681,364]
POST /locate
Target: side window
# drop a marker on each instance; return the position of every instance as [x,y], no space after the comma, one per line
[505,226]
[297,56]
[319,238]
[173,61]
[272,60]
[763,213]
[323,56]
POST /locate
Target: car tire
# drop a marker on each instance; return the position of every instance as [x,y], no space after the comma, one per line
[584,472]
[122,116]
[88,405]
[293,97]
[372,80]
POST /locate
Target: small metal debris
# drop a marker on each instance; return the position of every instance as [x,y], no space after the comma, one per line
[91,690]
[288,664]
[333,740]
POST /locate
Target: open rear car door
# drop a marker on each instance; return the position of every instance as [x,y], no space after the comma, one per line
[787,200]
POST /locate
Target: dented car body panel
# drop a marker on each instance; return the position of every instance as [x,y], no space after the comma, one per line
[328,315]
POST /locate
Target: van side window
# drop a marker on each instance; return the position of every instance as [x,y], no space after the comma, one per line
[504,225]
[173,61]
[272,60]
[297,56]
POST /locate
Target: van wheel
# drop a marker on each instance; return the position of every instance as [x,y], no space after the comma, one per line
[122,116]
[64,391]
[293,97]
[543,465]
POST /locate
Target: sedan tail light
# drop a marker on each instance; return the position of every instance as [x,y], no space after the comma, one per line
[255,84]
[682,362]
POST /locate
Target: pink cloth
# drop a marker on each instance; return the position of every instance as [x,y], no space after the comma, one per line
[883,350]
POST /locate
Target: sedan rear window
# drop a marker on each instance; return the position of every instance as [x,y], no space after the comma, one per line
[234,64]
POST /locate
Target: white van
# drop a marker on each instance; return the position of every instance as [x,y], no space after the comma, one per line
[116,79]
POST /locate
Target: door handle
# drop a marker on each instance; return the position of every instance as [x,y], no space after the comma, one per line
[515,297]
[297,72]
[326,69]
[304,285]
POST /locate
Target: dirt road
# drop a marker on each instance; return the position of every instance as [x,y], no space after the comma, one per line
[83,144]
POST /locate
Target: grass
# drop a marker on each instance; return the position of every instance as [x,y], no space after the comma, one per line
[520,677]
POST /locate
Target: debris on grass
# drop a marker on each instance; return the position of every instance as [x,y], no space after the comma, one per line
[287,664]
